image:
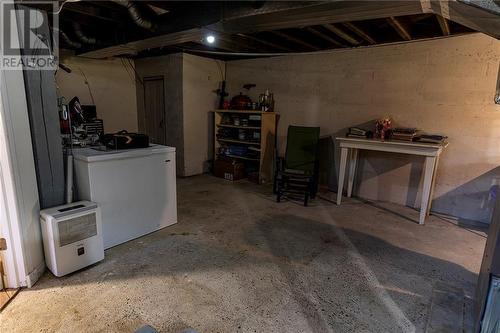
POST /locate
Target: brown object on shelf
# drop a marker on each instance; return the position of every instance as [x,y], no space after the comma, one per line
[240,102]
[229,170]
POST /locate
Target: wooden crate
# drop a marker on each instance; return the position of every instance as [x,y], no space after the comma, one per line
[229,170]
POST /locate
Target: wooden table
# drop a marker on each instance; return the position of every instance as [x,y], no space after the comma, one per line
[349,148]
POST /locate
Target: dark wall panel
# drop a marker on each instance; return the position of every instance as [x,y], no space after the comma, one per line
[45,133]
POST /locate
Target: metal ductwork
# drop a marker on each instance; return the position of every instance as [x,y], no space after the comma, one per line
[68,40]
[135,14]
[82,36]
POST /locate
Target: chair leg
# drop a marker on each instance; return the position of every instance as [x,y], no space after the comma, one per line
[278,196]
[306,198]
[313,189]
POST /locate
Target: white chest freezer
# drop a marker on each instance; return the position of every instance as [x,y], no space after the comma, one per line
[136,189]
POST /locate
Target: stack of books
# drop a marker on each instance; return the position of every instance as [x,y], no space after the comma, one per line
[356,132]
[432,138]
[404,134]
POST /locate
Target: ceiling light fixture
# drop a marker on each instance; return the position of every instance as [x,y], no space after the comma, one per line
[210,39]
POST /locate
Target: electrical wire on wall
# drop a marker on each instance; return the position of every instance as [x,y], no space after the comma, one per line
[88,85]
[137,76]
[222,75]
[131,70]
[130,75]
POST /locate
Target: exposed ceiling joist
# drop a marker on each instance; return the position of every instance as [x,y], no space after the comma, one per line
[234,42]
[265,42]
[295,40]
[360,32]
[300,14]
[342,34]
[324,36]
[94,12]
[421,17]
[223,45]
[476,18]
[444,25]
[399,27]
[244,24]
[317,14]
[191,35]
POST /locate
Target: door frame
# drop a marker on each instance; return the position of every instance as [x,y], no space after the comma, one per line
[19,202]
[153,78]
[12,258]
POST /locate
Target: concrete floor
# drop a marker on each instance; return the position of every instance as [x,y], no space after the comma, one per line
[239,262]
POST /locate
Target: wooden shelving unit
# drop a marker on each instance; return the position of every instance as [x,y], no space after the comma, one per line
[267,128]
[241,142]
[244,127]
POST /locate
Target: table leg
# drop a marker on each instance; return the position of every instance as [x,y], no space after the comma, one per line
[343,165]
[352,170]
[430,162]
[434,173]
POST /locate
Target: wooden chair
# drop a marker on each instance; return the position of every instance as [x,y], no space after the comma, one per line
[297,172]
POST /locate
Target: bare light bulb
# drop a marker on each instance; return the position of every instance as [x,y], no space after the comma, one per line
[210,39]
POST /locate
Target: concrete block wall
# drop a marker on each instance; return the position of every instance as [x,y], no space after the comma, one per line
[442,86]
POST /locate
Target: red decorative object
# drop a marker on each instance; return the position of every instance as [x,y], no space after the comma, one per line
[382,128]
[240,102]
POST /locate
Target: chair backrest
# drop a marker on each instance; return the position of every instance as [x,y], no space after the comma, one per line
[302,148]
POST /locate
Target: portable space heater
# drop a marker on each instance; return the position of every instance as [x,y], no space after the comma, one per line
[72,236]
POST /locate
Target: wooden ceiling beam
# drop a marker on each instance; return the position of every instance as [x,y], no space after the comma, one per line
[223,45]
[475,15]
[342,34]
[418,18]
[360,32]
[191,35]
[265,42]
[320,13]
[309,14]
[235,41]
[399,27]
[295,40]
[324,36]
[94,12]
[444,25]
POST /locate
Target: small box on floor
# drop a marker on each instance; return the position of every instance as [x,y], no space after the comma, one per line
[229,170]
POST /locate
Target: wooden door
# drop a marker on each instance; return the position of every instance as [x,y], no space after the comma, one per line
[154,109]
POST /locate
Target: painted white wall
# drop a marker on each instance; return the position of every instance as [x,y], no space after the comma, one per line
[113,87]
[443,85]
[19,203]
[201,77]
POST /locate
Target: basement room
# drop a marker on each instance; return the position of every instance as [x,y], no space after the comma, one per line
[250,166]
